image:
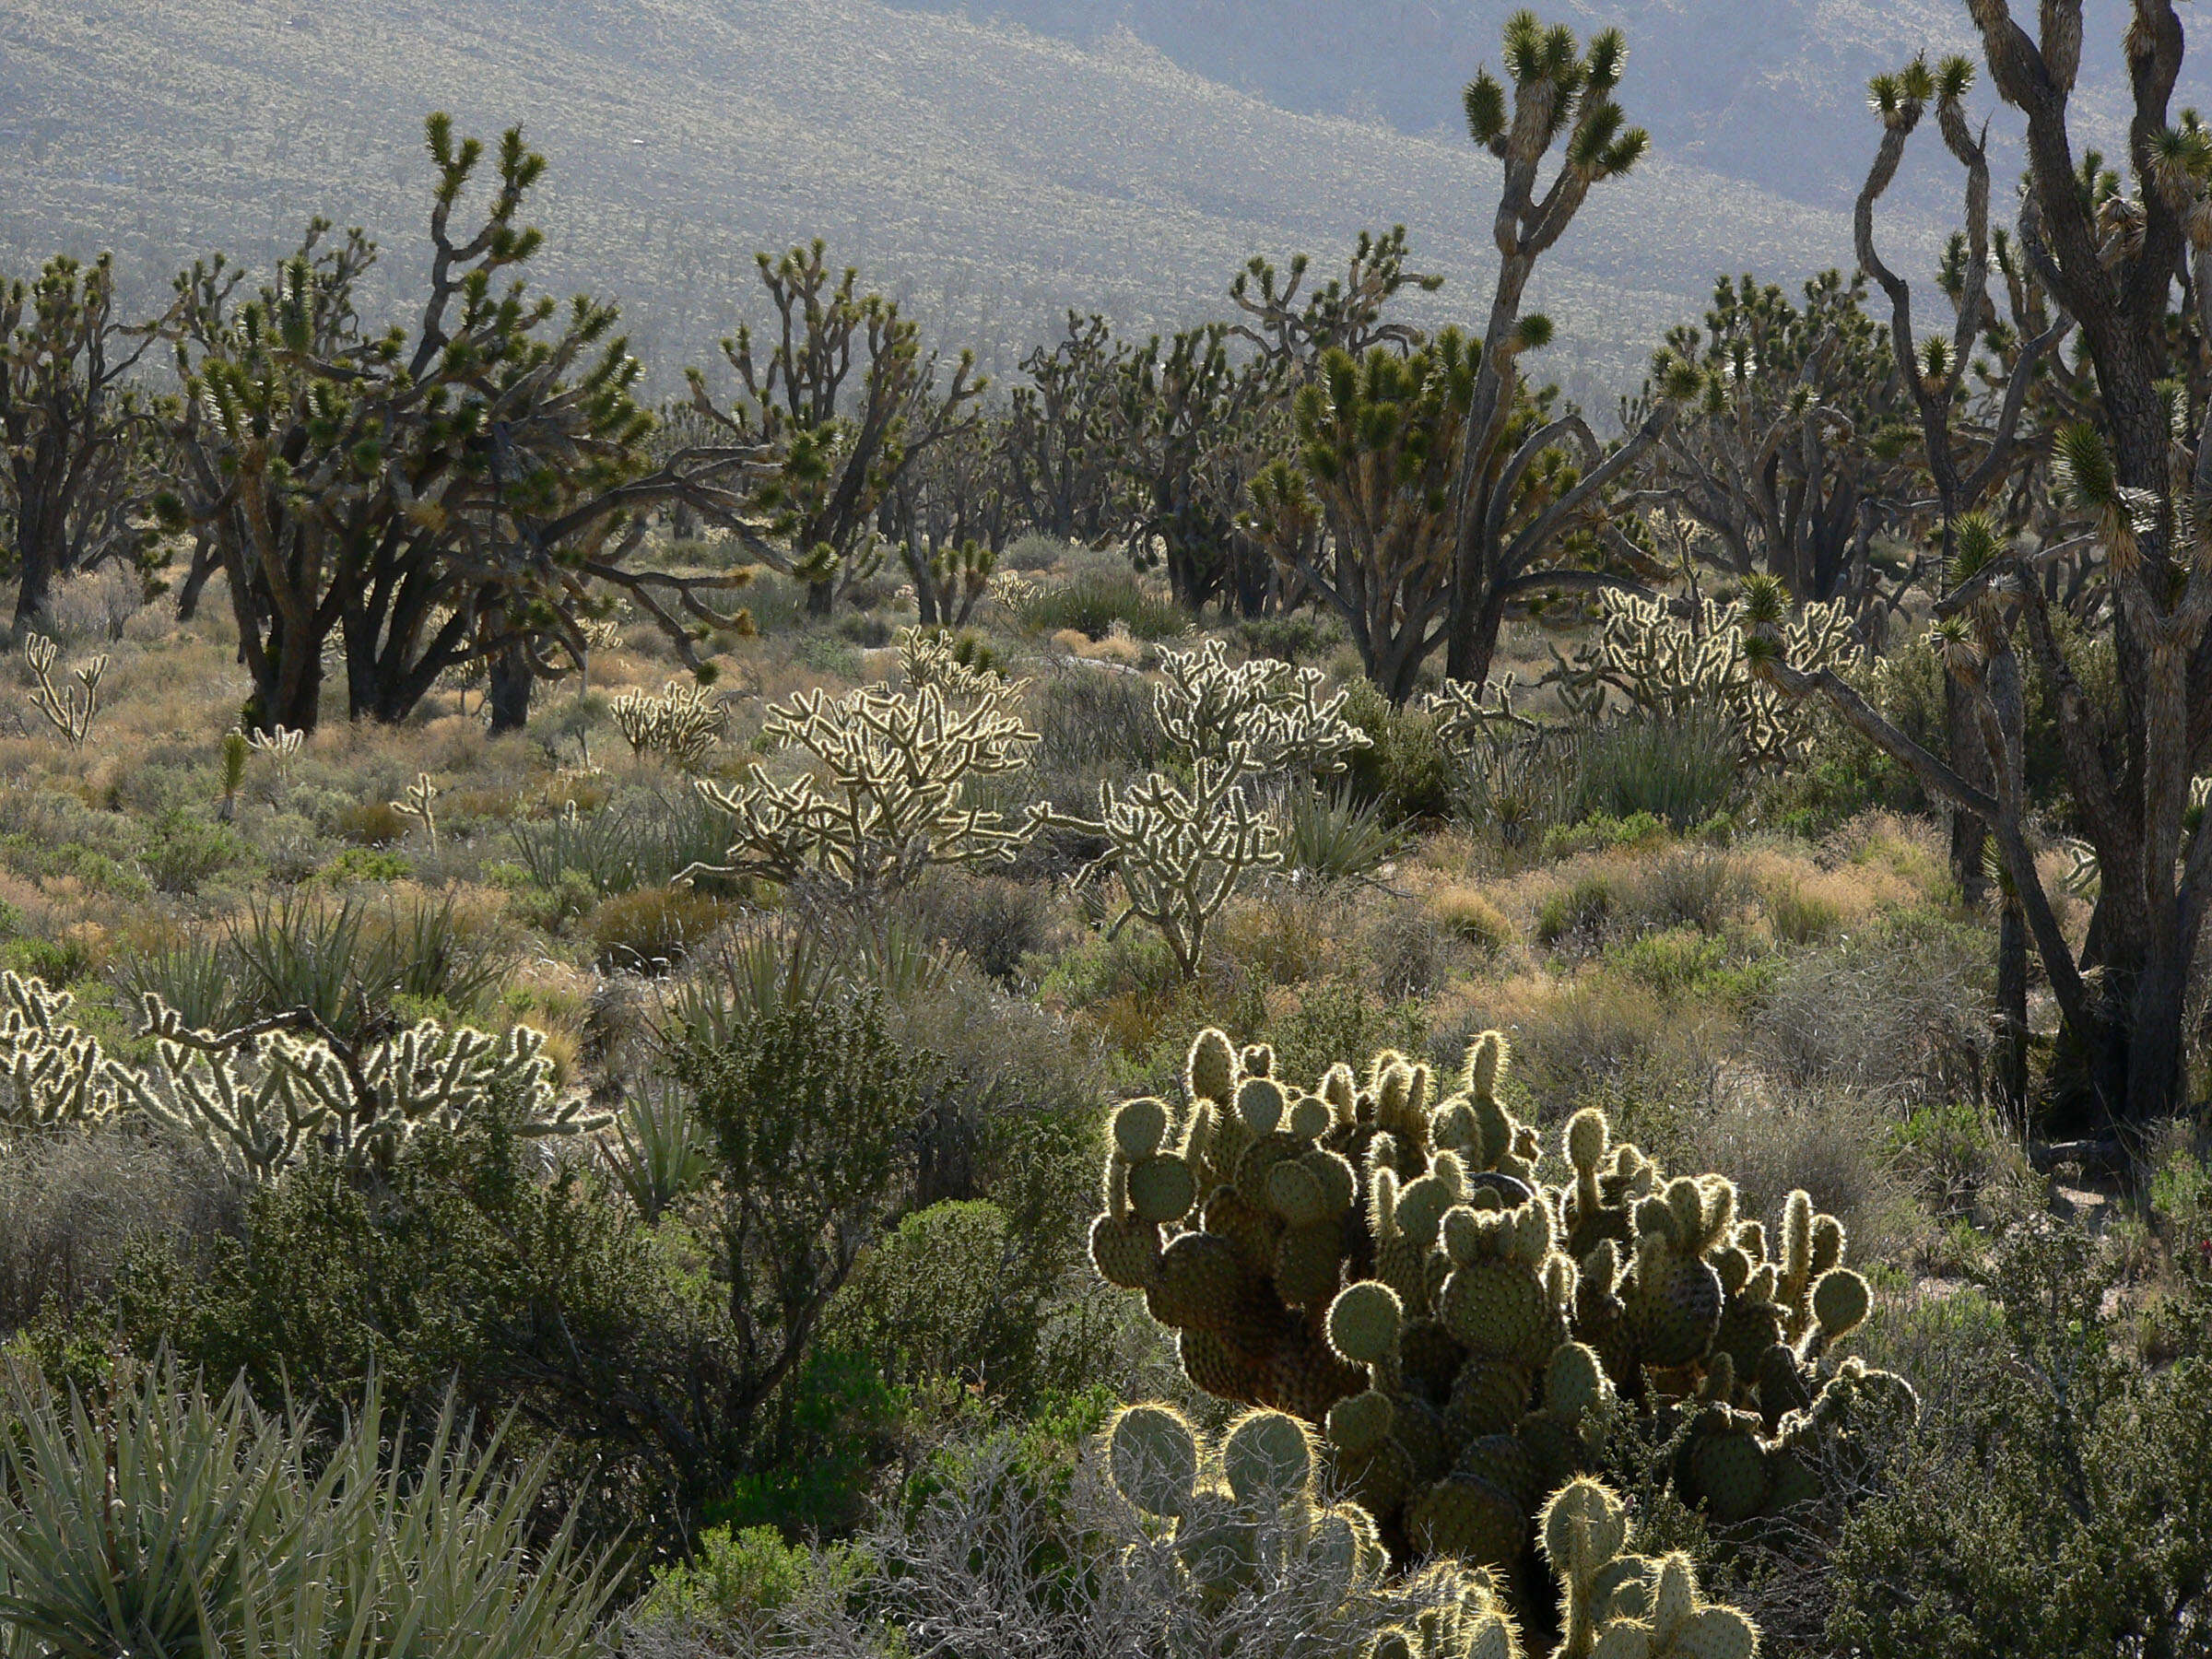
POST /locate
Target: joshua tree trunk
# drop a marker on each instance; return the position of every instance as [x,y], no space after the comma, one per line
[511,679]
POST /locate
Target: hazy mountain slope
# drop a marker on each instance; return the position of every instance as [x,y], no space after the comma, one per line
[995,175]
[1772,92]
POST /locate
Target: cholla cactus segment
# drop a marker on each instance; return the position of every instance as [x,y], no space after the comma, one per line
[888,795]
[70,709]
[262,1101]
[51,1073]
[1380,1259]
[1660,666]
[1269,715]
[681,724]
[1180,853]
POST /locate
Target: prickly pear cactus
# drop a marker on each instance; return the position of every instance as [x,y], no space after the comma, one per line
[1380,1258]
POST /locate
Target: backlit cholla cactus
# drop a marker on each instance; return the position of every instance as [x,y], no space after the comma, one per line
[261,1104]
[262,1098]
[70,709]
[680,723]
[885,795]
[1660,666]
[1283,719]
[1179,853]
[1387,1266]
[51,1073]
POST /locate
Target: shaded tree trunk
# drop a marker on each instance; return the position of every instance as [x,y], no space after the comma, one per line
[511,679]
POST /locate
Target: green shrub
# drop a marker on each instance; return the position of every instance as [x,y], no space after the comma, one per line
[2057,1502]
[1096,600]
[366,864]
[1578,914]
[733,1578]
[371,824]
[1297,637]
[1405,770]
[182,850]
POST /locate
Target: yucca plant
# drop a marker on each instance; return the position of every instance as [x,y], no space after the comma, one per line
[297,953]
[193,976]
[602,846]
[162,1521]
[1329,836]
[656,1150]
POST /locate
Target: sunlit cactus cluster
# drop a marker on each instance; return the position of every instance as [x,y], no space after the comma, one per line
[1387,1262]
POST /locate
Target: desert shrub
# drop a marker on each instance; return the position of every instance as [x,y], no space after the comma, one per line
[1604,1037]
[993,921]
[2059,1502]
[1674,961]
[1579,913]
[649,930]
[1831,1142]
[1689,887]
[369,824]
[1405,770]
[1801,918]
[1296,637]
[1682,771]
[957,1292]
[181,850]
[1473,918]
[1410,952]
[1336,1018]
[1094,601]
[1089,721]
[1034,552]
[75,1207]
[1953,1152]
[1900,1007]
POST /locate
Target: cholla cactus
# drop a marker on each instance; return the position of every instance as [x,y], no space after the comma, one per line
[1180,853]
[887,796]
[51,1073]
[282,746]
[1281,717]
[1009,590]
[1387,1266]
[70,709]
[260,1099]
[1660,667]
[1465,713]
[681,724]
[415,802]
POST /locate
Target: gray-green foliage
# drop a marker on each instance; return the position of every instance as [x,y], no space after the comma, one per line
[162,1521]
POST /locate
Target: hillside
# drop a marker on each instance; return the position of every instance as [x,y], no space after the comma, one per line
[992,175]
[1779,104]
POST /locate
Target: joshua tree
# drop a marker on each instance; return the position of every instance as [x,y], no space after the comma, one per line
[845,397]
[71,430]
[1060,432]
[1788,456]
[2139,468]
[450,498]
[950,515]
[1507,538]
[1188,424]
